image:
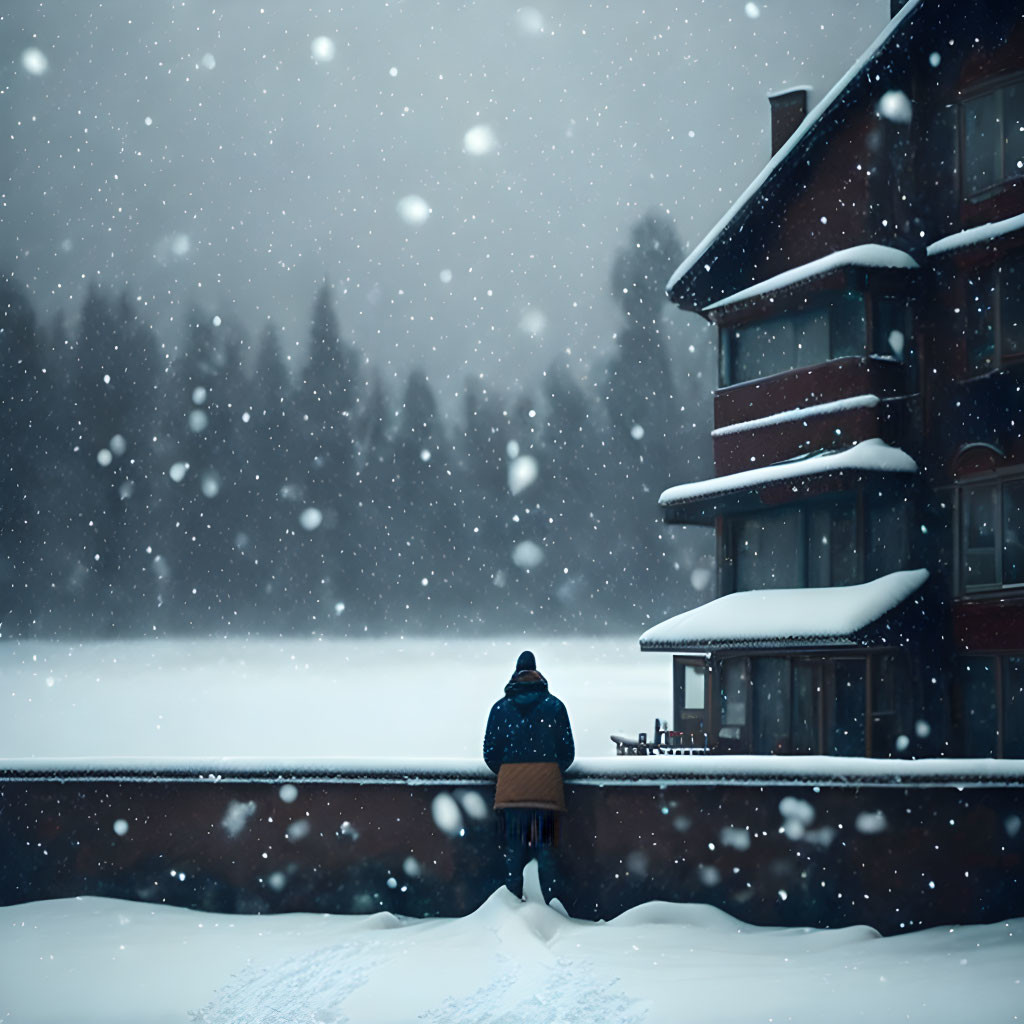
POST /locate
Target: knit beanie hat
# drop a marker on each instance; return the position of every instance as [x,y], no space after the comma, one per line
[526,661]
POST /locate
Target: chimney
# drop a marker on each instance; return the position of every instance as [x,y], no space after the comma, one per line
[789,108]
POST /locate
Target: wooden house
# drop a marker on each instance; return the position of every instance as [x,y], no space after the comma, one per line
[868,488]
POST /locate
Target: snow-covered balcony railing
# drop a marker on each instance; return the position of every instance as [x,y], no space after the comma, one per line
[812,617]
[870,258]
[702,500]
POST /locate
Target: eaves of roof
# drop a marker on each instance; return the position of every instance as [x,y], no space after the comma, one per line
[692,285]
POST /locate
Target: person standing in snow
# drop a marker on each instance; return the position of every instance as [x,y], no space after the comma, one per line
[528,745]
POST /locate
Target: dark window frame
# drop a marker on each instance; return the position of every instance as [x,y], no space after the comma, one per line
[822,667]
[688,719]
[996,481]
[878,309]
[1000,692]
[977,324]
[994,88]
[732,524]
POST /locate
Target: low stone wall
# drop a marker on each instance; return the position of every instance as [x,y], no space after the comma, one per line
[777,841]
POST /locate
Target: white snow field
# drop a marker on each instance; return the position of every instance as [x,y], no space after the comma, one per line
[103,961]
[303,698]
[99,961]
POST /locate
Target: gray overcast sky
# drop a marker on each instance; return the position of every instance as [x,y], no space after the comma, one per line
[238,154]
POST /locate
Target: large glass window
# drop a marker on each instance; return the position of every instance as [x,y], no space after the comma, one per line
[891,327]
[979,535]
[803,338]
[993,133]
[992,535]
[989,706]
[832,546]
[734,695]
[817,546]
[806,700]
[886,671]
[1013,706]
[1013,532]
[689,677]
[846,719]
[772,733]
[766,550]
[978,712]
[806,704]
[994,317]
[888,536]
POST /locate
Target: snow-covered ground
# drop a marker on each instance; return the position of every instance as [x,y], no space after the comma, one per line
[98,961]
[299,698]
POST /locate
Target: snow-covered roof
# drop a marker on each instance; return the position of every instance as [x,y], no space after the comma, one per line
[868,255]
[872,455]
[801,413]
[773,618]
[976,236]
[798,136]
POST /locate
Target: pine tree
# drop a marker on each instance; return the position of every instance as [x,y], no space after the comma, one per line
[25,427]
[205,457]
[109,393]
[642,412]
[328,528]
[486,508]
[273,494]
[425,495]
[377,551]
[574,499]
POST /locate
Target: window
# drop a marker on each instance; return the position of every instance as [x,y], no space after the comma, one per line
[772,706]
[989,706]
[790,706]
[846,714]
[993,136]
[689,700]
[803,338]
[890,327]
[885,717]
[766,550]
[832,545]
[814,546]
[888,536]
[994,317]
[806,701]
[992,535]
[689,678]
[807,704]
[734,696]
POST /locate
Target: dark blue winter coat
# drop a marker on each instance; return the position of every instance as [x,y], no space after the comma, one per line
[528,724]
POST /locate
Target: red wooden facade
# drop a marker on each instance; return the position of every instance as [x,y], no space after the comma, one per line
[871,286]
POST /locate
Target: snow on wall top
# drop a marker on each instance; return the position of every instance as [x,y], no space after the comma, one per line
[740,769]
[810,613]
[792,142]
[976,236]
[873,455]
[868,255]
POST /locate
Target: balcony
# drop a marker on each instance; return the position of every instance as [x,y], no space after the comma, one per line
[831,405]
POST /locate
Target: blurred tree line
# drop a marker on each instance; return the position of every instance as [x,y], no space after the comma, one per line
[220,491]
